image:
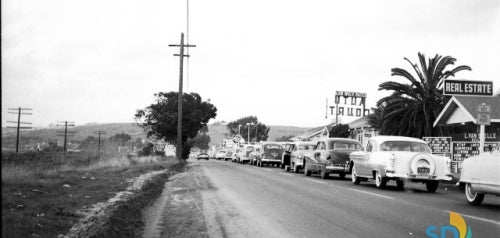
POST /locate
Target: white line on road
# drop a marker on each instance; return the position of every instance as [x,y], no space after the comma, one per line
[286,174]
[269,170]
[480,219]
[374,194]
[316,181]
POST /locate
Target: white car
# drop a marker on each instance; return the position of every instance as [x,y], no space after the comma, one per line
[244,153]
[481,175]
[401,159]
[221,154]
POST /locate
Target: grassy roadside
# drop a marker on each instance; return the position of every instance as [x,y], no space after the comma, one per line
[41,194]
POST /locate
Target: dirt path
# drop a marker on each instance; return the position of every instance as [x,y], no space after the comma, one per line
[195,204]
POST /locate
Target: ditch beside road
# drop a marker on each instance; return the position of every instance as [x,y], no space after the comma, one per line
[224,199]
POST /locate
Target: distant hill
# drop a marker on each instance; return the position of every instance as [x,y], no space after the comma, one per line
[217,133]
[81,132]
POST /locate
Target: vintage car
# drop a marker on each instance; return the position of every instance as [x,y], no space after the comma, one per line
[244,154]
[221,154]
[294,154]
[331,155]
[481,175]
[203,155]
[401,159]
[228,154]
[270,155]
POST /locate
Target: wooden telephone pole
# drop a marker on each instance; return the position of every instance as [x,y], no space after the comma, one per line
[19,122]
[179,104]
[99,133]
[65,132]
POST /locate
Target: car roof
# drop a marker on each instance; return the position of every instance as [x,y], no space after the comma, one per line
[305,143]
[338,139]
[271,142]
[382,139]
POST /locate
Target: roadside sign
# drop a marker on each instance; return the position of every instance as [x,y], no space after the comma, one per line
[237,138]
[467,87]
[439,145]
[483,115]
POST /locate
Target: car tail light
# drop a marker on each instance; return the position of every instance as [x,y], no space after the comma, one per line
[390,165]
[447,169]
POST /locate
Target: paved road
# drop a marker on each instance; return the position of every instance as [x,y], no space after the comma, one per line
[249,201]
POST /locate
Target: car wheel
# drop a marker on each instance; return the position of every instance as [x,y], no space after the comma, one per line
[432,186]
[342,175]
[355,179]
[323,174]
[287,168]
[380,181]
[296,169]
[400,184]
[473,197]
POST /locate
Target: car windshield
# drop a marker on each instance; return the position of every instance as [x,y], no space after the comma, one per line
[272,147]
[405,146]
[250,148]
[344,145]
[306,147]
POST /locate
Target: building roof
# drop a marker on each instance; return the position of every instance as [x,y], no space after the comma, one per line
[462,109]
[359,123]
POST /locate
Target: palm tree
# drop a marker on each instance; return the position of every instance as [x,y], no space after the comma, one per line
[412,107]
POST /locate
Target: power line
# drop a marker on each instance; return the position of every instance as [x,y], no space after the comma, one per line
[19,122]
[66,132]
[99,133]
[187,42]
[179,99]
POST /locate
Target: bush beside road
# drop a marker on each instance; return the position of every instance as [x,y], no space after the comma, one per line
[44,195]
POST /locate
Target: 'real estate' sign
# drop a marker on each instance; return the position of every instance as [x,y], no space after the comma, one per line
[467,87]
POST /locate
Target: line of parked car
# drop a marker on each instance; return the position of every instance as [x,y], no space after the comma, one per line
[384,159]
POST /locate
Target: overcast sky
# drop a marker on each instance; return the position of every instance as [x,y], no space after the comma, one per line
[100,61]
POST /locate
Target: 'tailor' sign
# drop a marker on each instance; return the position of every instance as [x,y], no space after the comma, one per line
[464,87]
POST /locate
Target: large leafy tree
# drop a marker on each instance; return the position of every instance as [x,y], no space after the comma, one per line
[340,130]
[413,106]
[120,138]
[159,120]
[258,131]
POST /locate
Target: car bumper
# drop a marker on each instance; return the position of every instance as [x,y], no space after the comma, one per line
[336,168]
[417,176]
[271,160]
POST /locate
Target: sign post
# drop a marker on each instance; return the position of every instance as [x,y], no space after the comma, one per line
[483,118]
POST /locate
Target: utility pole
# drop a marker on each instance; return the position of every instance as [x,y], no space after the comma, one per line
[179,103]
[99,133]
[65,132]
[19,122]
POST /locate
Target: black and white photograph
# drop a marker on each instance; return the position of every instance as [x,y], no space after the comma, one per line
[263,118]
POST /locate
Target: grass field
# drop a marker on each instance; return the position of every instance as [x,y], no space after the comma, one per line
[42,192]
